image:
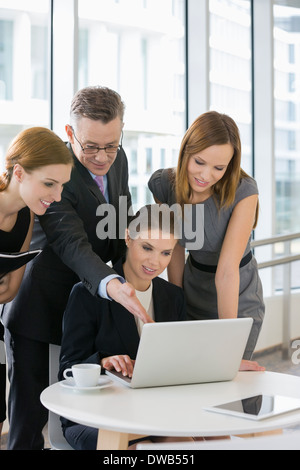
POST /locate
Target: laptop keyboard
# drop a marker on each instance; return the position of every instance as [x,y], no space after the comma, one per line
[119,374]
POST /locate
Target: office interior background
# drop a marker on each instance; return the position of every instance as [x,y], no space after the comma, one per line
[172,60]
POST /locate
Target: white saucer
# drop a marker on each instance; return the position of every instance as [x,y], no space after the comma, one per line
[102,383]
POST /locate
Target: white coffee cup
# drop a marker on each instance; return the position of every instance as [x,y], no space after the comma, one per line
[84,375]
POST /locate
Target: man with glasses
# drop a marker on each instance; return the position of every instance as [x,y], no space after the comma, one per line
[72,252]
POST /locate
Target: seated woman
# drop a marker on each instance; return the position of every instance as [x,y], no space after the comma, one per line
[97,330]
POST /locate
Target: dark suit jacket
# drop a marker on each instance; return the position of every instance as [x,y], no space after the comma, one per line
[72,253]
[95,328]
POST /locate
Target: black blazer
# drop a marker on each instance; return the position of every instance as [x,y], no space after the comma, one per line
[72,253]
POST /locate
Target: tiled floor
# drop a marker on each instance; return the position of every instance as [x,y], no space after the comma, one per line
[273,362]
[4,440]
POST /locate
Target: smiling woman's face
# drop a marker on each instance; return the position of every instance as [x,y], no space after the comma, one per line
[206,168]
[42,186]
[147,257]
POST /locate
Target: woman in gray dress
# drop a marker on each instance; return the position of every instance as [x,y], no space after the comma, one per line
[221,279]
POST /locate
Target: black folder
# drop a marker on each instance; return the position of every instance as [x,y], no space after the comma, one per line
[12,261]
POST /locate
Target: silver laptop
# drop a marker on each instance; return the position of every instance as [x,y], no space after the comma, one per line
[188,352]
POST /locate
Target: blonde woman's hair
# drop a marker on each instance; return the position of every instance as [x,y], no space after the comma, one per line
[211,128]
[34,148]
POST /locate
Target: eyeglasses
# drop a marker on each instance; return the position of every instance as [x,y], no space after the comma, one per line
[90,150]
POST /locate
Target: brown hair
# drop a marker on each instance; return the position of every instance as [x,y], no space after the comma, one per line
[211,128]
[97,103]
[154,217]
[34,148]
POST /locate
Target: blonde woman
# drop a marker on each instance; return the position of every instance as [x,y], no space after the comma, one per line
[37,165]
[221,279]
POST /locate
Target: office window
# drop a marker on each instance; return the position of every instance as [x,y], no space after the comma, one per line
[83,57]
[149,161]
[6,66]
[287,115]
[24,68]
[230,67]
[139,51]
[134,162]
[39,62]
[163,158]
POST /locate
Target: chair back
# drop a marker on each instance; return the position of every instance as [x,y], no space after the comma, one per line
[55,434]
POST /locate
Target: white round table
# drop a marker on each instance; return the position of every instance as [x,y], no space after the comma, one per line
[119,412]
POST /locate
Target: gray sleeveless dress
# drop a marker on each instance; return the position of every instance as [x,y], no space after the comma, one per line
[199,281]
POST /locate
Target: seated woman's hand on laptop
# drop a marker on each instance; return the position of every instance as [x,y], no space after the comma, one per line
[251,366]
[120,363]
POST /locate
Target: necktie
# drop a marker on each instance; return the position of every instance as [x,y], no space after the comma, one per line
[99,181]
